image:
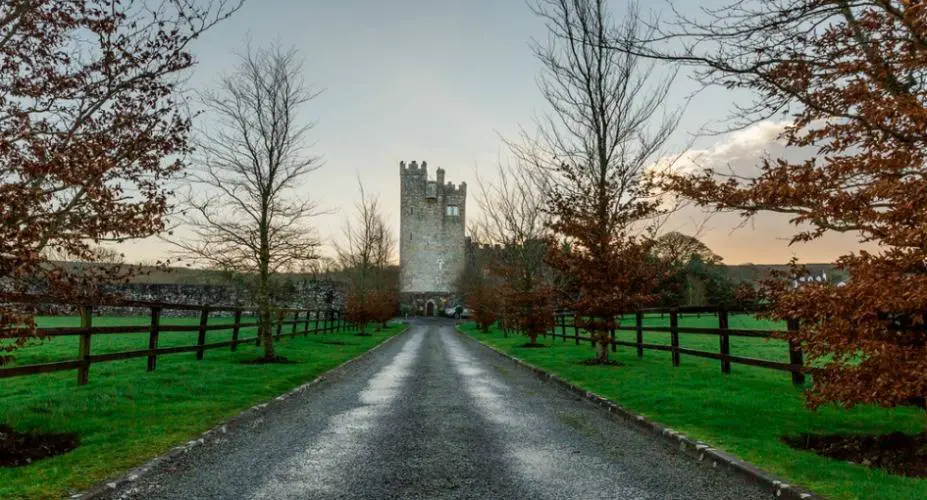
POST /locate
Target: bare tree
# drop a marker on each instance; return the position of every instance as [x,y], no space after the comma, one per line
[241,205]
[608,106]
[608,125]
[513,233]
[368,251]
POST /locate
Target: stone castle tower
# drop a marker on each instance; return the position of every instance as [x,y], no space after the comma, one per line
[431,238]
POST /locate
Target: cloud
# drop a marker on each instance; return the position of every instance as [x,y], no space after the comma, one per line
[765,237]
[739,152]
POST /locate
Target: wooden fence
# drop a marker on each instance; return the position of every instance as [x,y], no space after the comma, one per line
[566,328]
[300,321]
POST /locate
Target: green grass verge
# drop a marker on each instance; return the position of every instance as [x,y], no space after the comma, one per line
[744,413]
[125,415]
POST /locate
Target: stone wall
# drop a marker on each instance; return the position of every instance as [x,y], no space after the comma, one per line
[432,231]
[310,294]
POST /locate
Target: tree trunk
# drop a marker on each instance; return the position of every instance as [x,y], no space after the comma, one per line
[924,409]
[266,326]
[266,331]
[602,348]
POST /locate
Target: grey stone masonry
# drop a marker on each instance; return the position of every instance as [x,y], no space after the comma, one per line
[432,222]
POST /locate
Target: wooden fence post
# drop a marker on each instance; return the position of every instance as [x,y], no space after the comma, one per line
[674,335]
[639,324]
[295,321]
[86,321]
[201,338]
[611,334]
[306,324]
[236,330]
[575,329]
[279,322]
[260,322]
[795,355]
[563,327]
[725,342]
[153,337]
[318,314]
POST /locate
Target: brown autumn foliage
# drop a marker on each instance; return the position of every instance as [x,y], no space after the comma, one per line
[485,305]
[359,307]
[479,291]
[523,291]
[615,270]
[531,312]
[385,303]
[857,91]
[87,137]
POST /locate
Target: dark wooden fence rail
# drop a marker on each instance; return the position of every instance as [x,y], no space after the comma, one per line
[321,321]
[566,322]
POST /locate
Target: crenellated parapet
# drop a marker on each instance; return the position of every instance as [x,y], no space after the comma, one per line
[414,178]
[451,189]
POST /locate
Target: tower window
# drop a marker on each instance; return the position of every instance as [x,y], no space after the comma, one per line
[452,211]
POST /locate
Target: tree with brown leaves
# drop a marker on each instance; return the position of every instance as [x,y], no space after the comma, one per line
[479,289]
[608,125]
[855,89]
[89,138]
[245,205]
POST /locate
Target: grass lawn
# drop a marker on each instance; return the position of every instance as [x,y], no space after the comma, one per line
[125,415]
[744,413]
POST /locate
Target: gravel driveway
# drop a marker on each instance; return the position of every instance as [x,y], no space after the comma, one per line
[433,415]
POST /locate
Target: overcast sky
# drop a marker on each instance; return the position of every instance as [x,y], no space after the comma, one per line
[441,81]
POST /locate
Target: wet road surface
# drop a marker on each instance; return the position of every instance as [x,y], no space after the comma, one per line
[433,415]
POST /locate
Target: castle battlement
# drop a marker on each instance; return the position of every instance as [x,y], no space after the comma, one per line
[413,168]
[451,189]
[416,175]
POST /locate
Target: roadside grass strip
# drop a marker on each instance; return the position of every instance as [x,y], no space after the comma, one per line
[126,415]
[744,413]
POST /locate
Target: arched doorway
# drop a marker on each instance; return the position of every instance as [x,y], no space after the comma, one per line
[430,308]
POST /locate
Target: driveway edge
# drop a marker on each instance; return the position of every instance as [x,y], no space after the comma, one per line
[216,433]
[702,452]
